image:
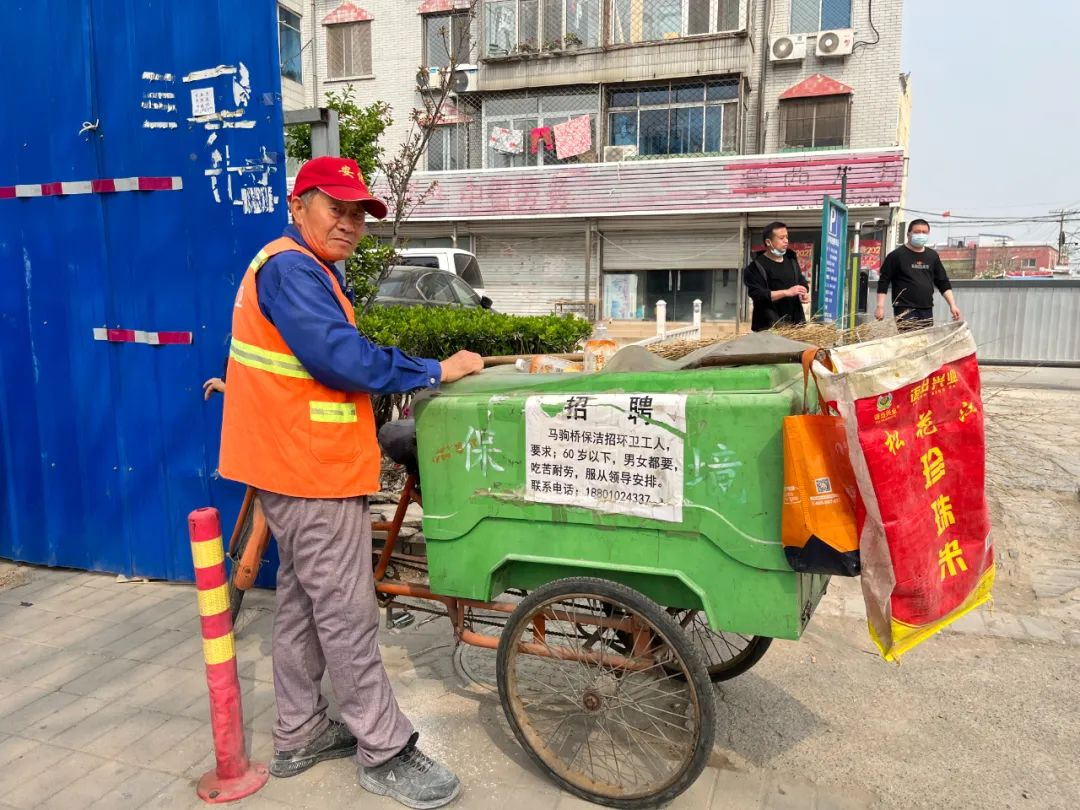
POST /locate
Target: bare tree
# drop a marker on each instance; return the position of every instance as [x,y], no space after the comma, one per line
[398,169]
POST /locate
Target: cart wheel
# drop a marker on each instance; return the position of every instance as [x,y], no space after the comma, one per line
[622,725]
[726,654]
[236,596]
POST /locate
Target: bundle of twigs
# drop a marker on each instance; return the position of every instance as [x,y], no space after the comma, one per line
[816,334]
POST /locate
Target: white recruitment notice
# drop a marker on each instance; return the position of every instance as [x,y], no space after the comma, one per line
[618,453]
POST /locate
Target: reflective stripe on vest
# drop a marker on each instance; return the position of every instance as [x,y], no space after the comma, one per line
[265,360]
[332,411]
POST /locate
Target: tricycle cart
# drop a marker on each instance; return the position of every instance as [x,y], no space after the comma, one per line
[624,531]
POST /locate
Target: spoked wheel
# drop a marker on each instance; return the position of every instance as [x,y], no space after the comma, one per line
[624,725]
[726,654]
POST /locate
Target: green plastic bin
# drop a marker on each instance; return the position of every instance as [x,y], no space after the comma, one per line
[719,551]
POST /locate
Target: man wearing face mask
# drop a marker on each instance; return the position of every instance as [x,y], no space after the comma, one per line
[775,282]
[913,271]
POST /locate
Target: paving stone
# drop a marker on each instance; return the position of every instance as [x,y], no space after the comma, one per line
[151,648]
[699,794]
[786,794]
[1004,625]
[72,766]
[151,749]
[90,787]
[12,748]
[24,768]
[61,720]
[35,622]
[1042,628]
[83,734]
[735,790]
[20,720]
[135,791]
[59,668]
[101,634]
[167,690]
[178,754]
[127,731]
[18,700]
[112,679]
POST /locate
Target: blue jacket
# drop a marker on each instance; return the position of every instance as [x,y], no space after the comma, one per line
[296,296]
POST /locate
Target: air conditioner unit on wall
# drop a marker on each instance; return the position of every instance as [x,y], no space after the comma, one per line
[835,43]
[787,48]
[463,80]
[617,154]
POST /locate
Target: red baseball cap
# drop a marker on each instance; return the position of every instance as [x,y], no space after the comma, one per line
[339,178]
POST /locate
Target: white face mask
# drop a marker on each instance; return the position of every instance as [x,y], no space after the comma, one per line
[920,239]
[777,251]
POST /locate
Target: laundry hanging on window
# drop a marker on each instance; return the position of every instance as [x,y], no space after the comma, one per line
[507,141]
[541,135]
[573,137]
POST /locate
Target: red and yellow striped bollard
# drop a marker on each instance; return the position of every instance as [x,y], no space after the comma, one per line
[234,777]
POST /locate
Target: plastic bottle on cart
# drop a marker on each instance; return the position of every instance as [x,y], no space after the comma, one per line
[599,349]
[542,364]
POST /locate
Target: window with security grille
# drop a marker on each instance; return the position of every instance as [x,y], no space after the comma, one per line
[659,20]
[445,34]
[815,123]
[811,16]
[348,50]
[289,44]
[676,118]
[531,26]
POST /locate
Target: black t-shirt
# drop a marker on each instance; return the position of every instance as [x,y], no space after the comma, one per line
[913,277]
[761,277]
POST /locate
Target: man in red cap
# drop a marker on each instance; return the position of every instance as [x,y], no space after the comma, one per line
[298,426]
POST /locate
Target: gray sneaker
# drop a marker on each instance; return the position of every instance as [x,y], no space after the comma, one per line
[412,778]
[336,741]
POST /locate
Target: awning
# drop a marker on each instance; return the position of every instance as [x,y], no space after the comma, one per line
[437,6]
[817,85]
[346,13]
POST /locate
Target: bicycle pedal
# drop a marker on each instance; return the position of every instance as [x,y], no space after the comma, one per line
[398,620]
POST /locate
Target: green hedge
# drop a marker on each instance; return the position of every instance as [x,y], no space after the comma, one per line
[438,332]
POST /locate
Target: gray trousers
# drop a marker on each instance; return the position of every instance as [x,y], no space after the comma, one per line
[327,619]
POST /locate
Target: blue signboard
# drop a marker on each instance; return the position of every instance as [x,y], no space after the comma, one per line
[834,216]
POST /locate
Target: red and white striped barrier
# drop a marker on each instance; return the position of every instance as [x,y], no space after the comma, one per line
[235,776]
[105,186]
[139,336]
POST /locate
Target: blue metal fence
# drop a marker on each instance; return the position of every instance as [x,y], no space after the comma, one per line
[106,446]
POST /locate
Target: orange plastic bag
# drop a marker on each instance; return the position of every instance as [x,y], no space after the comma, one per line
[818,527]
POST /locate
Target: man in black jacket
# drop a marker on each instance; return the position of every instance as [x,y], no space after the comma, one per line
[775,282]
[913,271]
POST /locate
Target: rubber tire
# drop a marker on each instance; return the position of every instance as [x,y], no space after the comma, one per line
[236,596]
[753,653]
[660,618]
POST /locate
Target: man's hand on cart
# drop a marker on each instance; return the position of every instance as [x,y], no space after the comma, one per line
[461,365]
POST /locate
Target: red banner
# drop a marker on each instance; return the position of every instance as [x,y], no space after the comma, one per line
[869,254]
[925,450]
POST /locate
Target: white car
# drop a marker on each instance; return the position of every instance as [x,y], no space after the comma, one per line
[459,262]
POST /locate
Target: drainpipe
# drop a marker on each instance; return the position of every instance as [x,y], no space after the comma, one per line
[761,81]
[314,59]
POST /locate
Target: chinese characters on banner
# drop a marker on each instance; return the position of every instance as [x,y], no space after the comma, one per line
[925,450]
[618,453]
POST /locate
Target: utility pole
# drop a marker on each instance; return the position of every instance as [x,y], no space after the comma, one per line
[1063,245]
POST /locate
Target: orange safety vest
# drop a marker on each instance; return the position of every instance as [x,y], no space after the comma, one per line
[283,431]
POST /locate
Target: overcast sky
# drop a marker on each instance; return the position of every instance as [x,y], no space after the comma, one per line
[996,114]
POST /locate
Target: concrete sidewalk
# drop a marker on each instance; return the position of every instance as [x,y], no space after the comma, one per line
[103,704]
